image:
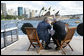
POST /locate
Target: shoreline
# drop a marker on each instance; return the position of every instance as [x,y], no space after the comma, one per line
[33,19]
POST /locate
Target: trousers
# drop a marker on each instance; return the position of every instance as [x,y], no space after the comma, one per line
[59,38]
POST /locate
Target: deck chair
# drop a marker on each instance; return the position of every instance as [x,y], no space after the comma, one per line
[33,38]
[67,39]
[67,26]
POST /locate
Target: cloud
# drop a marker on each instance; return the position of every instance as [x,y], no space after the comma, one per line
[65,7]
[71,7]
[38,2]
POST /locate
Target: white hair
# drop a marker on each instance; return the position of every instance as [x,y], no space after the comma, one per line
[45,19]
[56,19]
[48,18]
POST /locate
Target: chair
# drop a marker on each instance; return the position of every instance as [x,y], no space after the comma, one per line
[67,39]
[67,26]
[33,38]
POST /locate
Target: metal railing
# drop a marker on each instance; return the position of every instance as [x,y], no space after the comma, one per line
[9,36]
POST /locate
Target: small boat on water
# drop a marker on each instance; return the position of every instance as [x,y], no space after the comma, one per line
[77,21]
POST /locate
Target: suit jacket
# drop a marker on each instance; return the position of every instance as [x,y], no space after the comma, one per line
[42,30]
[60,31]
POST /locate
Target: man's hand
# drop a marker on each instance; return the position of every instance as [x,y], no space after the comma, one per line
[52,32]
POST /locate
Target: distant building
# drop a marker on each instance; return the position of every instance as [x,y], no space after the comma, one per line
[57,13]
[10,12]
[78,15]
[29,13]
[3,9]
[26,12]
[36,13]
[16,13]
[1,12]
[20,11]
[47,14]
[32,13]
[75,16]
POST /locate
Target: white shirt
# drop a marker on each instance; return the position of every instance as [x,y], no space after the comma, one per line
[52,31]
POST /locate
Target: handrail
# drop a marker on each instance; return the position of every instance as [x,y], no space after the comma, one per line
[5,30]
[9,29]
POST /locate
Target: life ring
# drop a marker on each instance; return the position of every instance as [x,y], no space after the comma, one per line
[80,29]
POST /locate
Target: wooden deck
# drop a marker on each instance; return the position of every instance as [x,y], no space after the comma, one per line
[20,48]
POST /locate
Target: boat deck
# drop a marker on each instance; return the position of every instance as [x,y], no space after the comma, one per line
[20,48]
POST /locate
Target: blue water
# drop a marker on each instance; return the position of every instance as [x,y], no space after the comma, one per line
[34,23]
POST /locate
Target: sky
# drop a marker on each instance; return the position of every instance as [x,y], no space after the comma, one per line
[64,7]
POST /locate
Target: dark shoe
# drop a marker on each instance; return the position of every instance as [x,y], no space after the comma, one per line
[47,48]
[57,48]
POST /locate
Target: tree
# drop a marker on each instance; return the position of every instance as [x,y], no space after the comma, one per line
[20,17]
[2,17]
[10,17]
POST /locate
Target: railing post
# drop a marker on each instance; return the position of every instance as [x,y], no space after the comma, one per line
[4,36]
[11,36]
[17,30]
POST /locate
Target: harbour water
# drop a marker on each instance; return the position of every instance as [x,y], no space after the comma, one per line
[10,24]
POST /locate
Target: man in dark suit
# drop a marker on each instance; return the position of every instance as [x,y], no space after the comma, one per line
[60,32]
[42,30]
